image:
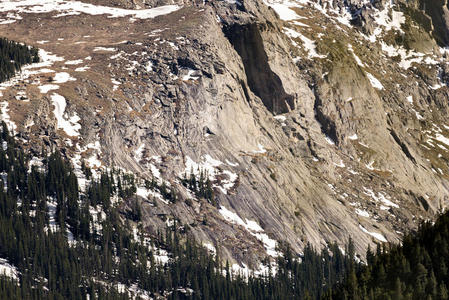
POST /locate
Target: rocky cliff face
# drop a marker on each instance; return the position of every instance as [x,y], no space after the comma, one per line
[314,121]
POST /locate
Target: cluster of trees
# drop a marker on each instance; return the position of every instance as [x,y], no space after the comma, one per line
[417,269]
[168,193]
[201,186]
[14,55]
[51,266]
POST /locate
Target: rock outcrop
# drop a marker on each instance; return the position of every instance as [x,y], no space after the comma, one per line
[313,128]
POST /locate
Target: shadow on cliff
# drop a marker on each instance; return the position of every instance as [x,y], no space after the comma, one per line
[262,81]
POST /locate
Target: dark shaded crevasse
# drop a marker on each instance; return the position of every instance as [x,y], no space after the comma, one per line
[328,126]
[403,146]
[424,203]
[434,8]
[262,81]
[420,200]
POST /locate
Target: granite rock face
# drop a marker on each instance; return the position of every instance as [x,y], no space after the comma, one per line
[315,121]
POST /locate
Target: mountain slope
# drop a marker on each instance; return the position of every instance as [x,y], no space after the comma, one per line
[58,244]
[313,122]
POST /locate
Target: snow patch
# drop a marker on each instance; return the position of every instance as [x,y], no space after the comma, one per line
[374,81]
[231,163]
[51,206]
[149,194]
[4,116]
[261,149]
[340,164]
[382,197]
[47,87]
[62,77]
[210,248]
[408,57]
[74,62]
[209,167]
[357,59]
[308,44]
[329,140]
[377,236]
[190,75]
[82,69]
[138,153]
[8,270]
[69,125]
[441,138]
[362,212]
[47,60]
[394,22]
[65,8]
[35,161]
[281,119]
[284,11]
[149,66]
[106,49]
[353,137]
[115,84]
[253,228]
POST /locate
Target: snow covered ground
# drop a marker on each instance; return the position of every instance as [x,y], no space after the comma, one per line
[4,116]
[377,236]
[308,44]
[69,125]
[253,228]
[8,269]
[47,60]
[63,8]
[380,197]
[374,81]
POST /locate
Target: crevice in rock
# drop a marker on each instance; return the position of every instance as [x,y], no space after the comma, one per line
[185,62]
[245,91]
[403,146]
[424,203]
[328,126]
[419,200]
[262,81]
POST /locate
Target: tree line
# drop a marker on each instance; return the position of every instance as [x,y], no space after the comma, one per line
[13,56]
[416,269]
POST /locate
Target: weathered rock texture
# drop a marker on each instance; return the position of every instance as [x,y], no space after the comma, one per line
[210,78]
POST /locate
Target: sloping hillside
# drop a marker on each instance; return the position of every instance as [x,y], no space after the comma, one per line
[295,121]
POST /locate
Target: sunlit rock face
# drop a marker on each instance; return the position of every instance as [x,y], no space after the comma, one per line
[312,121]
